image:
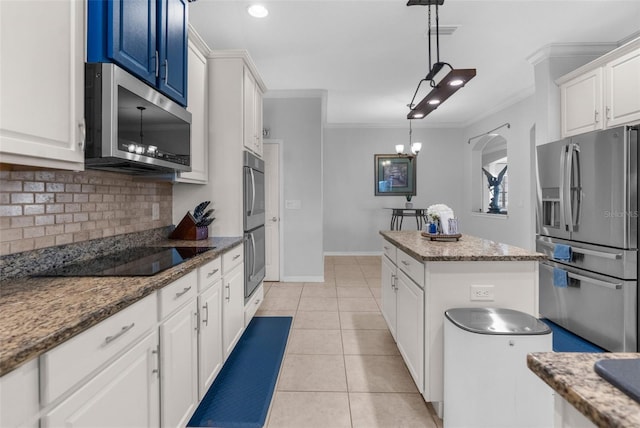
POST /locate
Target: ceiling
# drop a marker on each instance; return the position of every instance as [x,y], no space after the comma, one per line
[370,55]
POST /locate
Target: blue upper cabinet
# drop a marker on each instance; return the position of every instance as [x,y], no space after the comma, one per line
[148,38]
[173,25]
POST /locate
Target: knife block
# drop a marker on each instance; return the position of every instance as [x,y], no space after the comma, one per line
[188,230]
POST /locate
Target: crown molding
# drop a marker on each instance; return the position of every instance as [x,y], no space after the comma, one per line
[241,54]
[563,50]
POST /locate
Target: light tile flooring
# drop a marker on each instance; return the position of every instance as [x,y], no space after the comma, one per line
[342,367]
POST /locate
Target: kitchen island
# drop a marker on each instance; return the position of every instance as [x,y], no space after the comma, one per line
[421,279]
[580,389]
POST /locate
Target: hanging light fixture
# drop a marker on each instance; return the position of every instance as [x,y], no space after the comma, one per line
[454,80]
[415,147]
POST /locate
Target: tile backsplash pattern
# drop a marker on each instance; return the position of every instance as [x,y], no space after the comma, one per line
[45,208]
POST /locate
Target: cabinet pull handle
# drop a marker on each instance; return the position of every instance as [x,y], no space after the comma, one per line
[404,262]
[608,112]
[213,272]
[258,302]
[166,71]
[236,257]
[393,280]
[83,134]
[157,59]
[196,314]
[385,247]
[124,329]
[156,352]
[596,116]
[206,308]
[181,293]
[228,296]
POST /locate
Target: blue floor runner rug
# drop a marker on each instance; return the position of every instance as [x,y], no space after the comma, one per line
[241,394]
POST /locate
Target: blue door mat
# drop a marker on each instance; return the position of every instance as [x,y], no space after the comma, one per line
[565,341]
[241,394]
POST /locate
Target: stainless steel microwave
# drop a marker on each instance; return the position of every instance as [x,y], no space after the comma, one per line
[131,127]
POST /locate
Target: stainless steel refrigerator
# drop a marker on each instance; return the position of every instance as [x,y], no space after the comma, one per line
[587,224]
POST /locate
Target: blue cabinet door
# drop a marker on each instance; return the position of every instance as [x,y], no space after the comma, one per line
[132,37]
[173,20]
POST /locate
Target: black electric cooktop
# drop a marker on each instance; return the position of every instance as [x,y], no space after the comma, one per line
[138,261]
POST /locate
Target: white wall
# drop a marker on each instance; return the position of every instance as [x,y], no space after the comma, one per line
[298,123]
[517,228]
[353,215]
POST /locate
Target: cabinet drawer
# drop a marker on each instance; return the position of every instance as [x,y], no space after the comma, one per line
[253,305]
[232,258]
[412,267]
[389,250]
[209,273]
[69,363]
[176,294]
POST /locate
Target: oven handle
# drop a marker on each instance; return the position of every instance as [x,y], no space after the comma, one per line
[612,256]
[253,260]
[600,283]
[253,192]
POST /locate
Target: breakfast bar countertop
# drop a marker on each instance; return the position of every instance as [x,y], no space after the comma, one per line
[468,248]
[573,377]
[39,313]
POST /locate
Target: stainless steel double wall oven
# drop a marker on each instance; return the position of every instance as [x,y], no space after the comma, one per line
[254,215]
[587,224]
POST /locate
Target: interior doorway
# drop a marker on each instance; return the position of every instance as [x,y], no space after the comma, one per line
[272,152]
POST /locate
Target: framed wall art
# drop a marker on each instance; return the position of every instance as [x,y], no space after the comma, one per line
[394,175]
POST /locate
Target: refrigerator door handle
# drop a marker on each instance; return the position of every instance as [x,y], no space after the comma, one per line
[574,166]
[601,254]
[563,189]
[611,285]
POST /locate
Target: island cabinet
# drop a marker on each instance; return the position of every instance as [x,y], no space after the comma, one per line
[42,83]
[603,93]
[430,277]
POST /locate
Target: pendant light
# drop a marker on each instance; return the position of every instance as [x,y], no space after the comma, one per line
[454,80]
[415,147]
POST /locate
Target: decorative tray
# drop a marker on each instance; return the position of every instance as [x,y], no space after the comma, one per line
[441,236]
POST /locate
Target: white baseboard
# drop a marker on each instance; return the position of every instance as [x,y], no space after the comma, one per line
[353,253]
[302,279]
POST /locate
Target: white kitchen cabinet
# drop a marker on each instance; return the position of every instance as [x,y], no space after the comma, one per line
[42,106]
[581,101]
[179,366]
[253,304]
[209,336]
[410,326]
[388,282]
[19,404]
[622,89]
[125,394]
[232,299]
[232,309]
[228,72]
[198,98]
[403,308]
[252,114]
[603,93]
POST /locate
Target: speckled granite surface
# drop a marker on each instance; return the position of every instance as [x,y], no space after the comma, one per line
[468,248]
[37,314]
[30,262]
[572,376]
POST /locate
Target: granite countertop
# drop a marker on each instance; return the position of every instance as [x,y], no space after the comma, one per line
[468,248]
[37,314]
[572,376]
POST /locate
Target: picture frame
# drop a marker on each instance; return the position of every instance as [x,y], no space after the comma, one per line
[394,175]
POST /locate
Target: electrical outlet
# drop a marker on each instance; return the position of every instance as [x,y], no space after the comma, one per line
[155,211]
[482,292]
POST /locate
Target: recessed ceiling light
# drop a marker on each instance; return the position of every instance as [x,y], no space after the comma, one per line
[257,11]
